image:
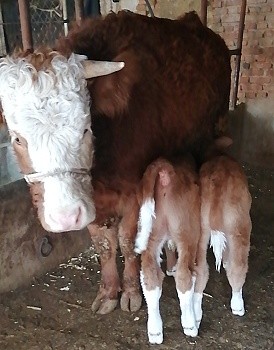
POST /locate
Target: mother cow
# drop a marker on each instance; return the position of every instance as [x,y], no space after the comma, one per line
[169,95]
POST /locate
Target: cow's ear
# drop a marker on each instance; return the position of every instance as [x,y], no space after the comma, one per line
[111,93]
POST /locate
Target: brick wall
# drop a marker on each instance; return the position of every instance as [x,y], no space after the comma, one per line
[256,75]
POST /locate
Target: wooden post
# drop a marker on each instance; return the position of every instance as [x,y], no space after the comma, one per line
[238,53]
[25,24]
[79,10]
[204,12]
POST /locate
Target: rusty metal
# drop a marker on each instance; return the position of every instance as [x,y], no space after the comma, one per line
[25,24]
[238,53]
[79,10]
[204,12]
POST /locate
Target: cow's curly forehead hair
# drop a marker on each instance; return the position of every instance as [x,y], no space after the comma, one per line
[40,58]
[45,100]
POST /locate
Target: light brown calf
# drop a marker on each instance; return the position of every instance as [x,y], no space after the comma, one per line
[225,224]
[170,210]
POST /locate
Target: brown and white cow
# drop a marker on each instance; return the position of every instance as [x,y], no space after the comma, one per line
[168,97]
[225,224]
[170,210]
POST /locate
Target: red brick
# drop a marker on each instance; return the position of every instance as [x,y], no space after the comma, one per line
[256,72]
[217,3]
[269,17]
[261,25]
[250,94]
[250,25]
[233,9]
[256,1]
[253,9]
[244,80]
[268,33]
[261,94]
[270,25]
[260,80]
[230,18]
[228,2]
[266,8]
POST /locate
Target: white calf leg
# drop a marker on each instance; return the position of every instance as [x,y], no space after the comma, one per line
[154,322]
[237,303]
[187,311]
[198,311]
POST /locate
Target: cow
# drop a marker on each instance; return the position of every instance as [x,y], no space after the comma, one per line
[225,224]
[110,98]
[169,211]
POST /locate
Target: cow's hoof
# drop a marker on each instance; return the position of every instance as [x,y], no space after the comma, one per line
[131,301]
[103,306]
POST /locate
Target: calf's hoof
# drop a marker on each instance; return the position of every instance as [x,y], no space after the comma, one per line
[155,338]
[131,301]
[103,306]
[191,332]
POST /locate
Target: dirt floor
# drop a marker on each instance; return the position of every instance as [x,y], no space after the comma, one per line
[54,312]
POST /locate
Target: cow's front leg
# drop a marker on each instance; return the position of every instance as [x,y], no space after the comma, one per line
[105,242]
[131,299]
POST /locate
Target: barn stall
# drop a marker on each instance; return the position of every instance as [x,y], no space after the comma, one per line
[48,281]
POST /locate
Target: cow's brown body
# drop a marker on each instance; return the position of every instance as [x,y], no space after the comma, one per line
[168,98]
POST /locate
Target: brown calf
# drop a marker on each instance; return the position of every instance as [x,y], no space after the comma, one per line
[226,224]
[170,210]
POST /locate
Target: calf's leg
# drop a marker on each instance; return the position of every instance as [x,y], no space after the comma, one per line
[151,281]
[236,268]
[105,242]
[202,274]
[185,282]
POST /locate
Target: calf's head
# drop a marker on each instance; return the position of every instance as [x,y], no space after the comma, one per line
[46,105]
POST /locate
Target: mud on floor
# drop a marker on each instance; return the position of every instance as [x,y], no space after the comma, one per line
[54,312]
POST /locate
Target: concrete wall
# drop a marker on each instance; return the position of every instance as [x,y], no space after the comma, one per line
[24,243]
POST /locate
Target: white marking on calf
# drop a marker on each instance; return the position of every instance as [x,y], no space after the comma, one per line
[187,311]
[147,214]
[198,310]
[237,303]
[154,322]
[218,244]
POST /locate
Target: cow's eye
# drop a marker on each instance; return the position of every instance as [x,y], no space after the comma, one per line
[85,131]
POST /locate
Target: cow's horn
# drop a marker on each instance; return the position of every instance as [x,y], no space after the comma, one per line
[98,68]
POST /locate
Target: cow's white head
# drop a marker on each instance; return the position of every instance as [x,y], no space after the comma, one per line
[46,105]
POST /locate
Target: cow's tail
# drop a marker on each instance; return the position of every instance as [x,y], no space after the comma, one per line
[147,208]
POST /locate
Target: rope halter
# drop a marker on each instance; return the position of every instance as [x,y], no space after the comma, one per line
[40,176]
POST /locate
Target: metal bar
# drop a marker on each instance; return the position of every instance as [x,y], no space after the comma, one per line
[79,10]
[204,12]
[238,55]
[25,24]
[149,8]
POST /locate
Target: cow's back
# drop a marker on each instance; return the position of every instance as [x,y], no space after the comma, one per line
[174,87]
